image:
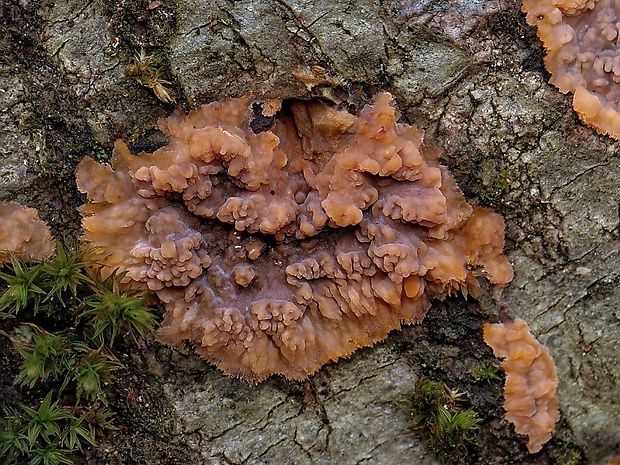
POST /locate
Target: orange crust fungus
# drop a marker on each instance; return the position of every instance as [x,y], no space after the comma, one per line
[283,235]
[583,56]
[23,233]
[531,381]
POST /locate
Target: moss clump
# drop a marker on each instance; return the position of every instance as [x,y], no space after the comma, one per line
[434,413]
[66,365]
[494,184]
[488,372]
[21,290]
[566,453]
[111,310]
[147,70]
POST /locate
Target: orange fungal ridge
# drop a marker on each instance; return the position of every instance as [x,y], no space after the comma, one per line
[583,57]
[531,381]
[283,235]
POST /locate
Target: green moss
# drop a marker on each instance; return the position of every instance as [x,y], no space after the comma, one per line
[484,371]
[22,288]
[435,413]
[566,454]
[46,434]
[111,310]
[47,355]
[101,155]
[66,365]
[494,183]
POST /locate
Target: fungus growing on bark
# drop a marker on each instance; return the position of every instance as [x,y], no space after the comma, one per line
[531,381]
[23,233]
[583,57]
[283,235]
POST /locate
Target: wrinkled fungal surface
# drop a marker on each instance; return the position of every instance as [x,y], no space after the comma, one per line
[283,235]
[23,233]
[583,57]
[531,381]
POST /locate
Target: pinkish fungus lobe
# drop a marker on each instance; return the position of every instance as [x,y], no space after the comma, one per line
[531,381]
[583,56]
[279,250]
[23,234]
